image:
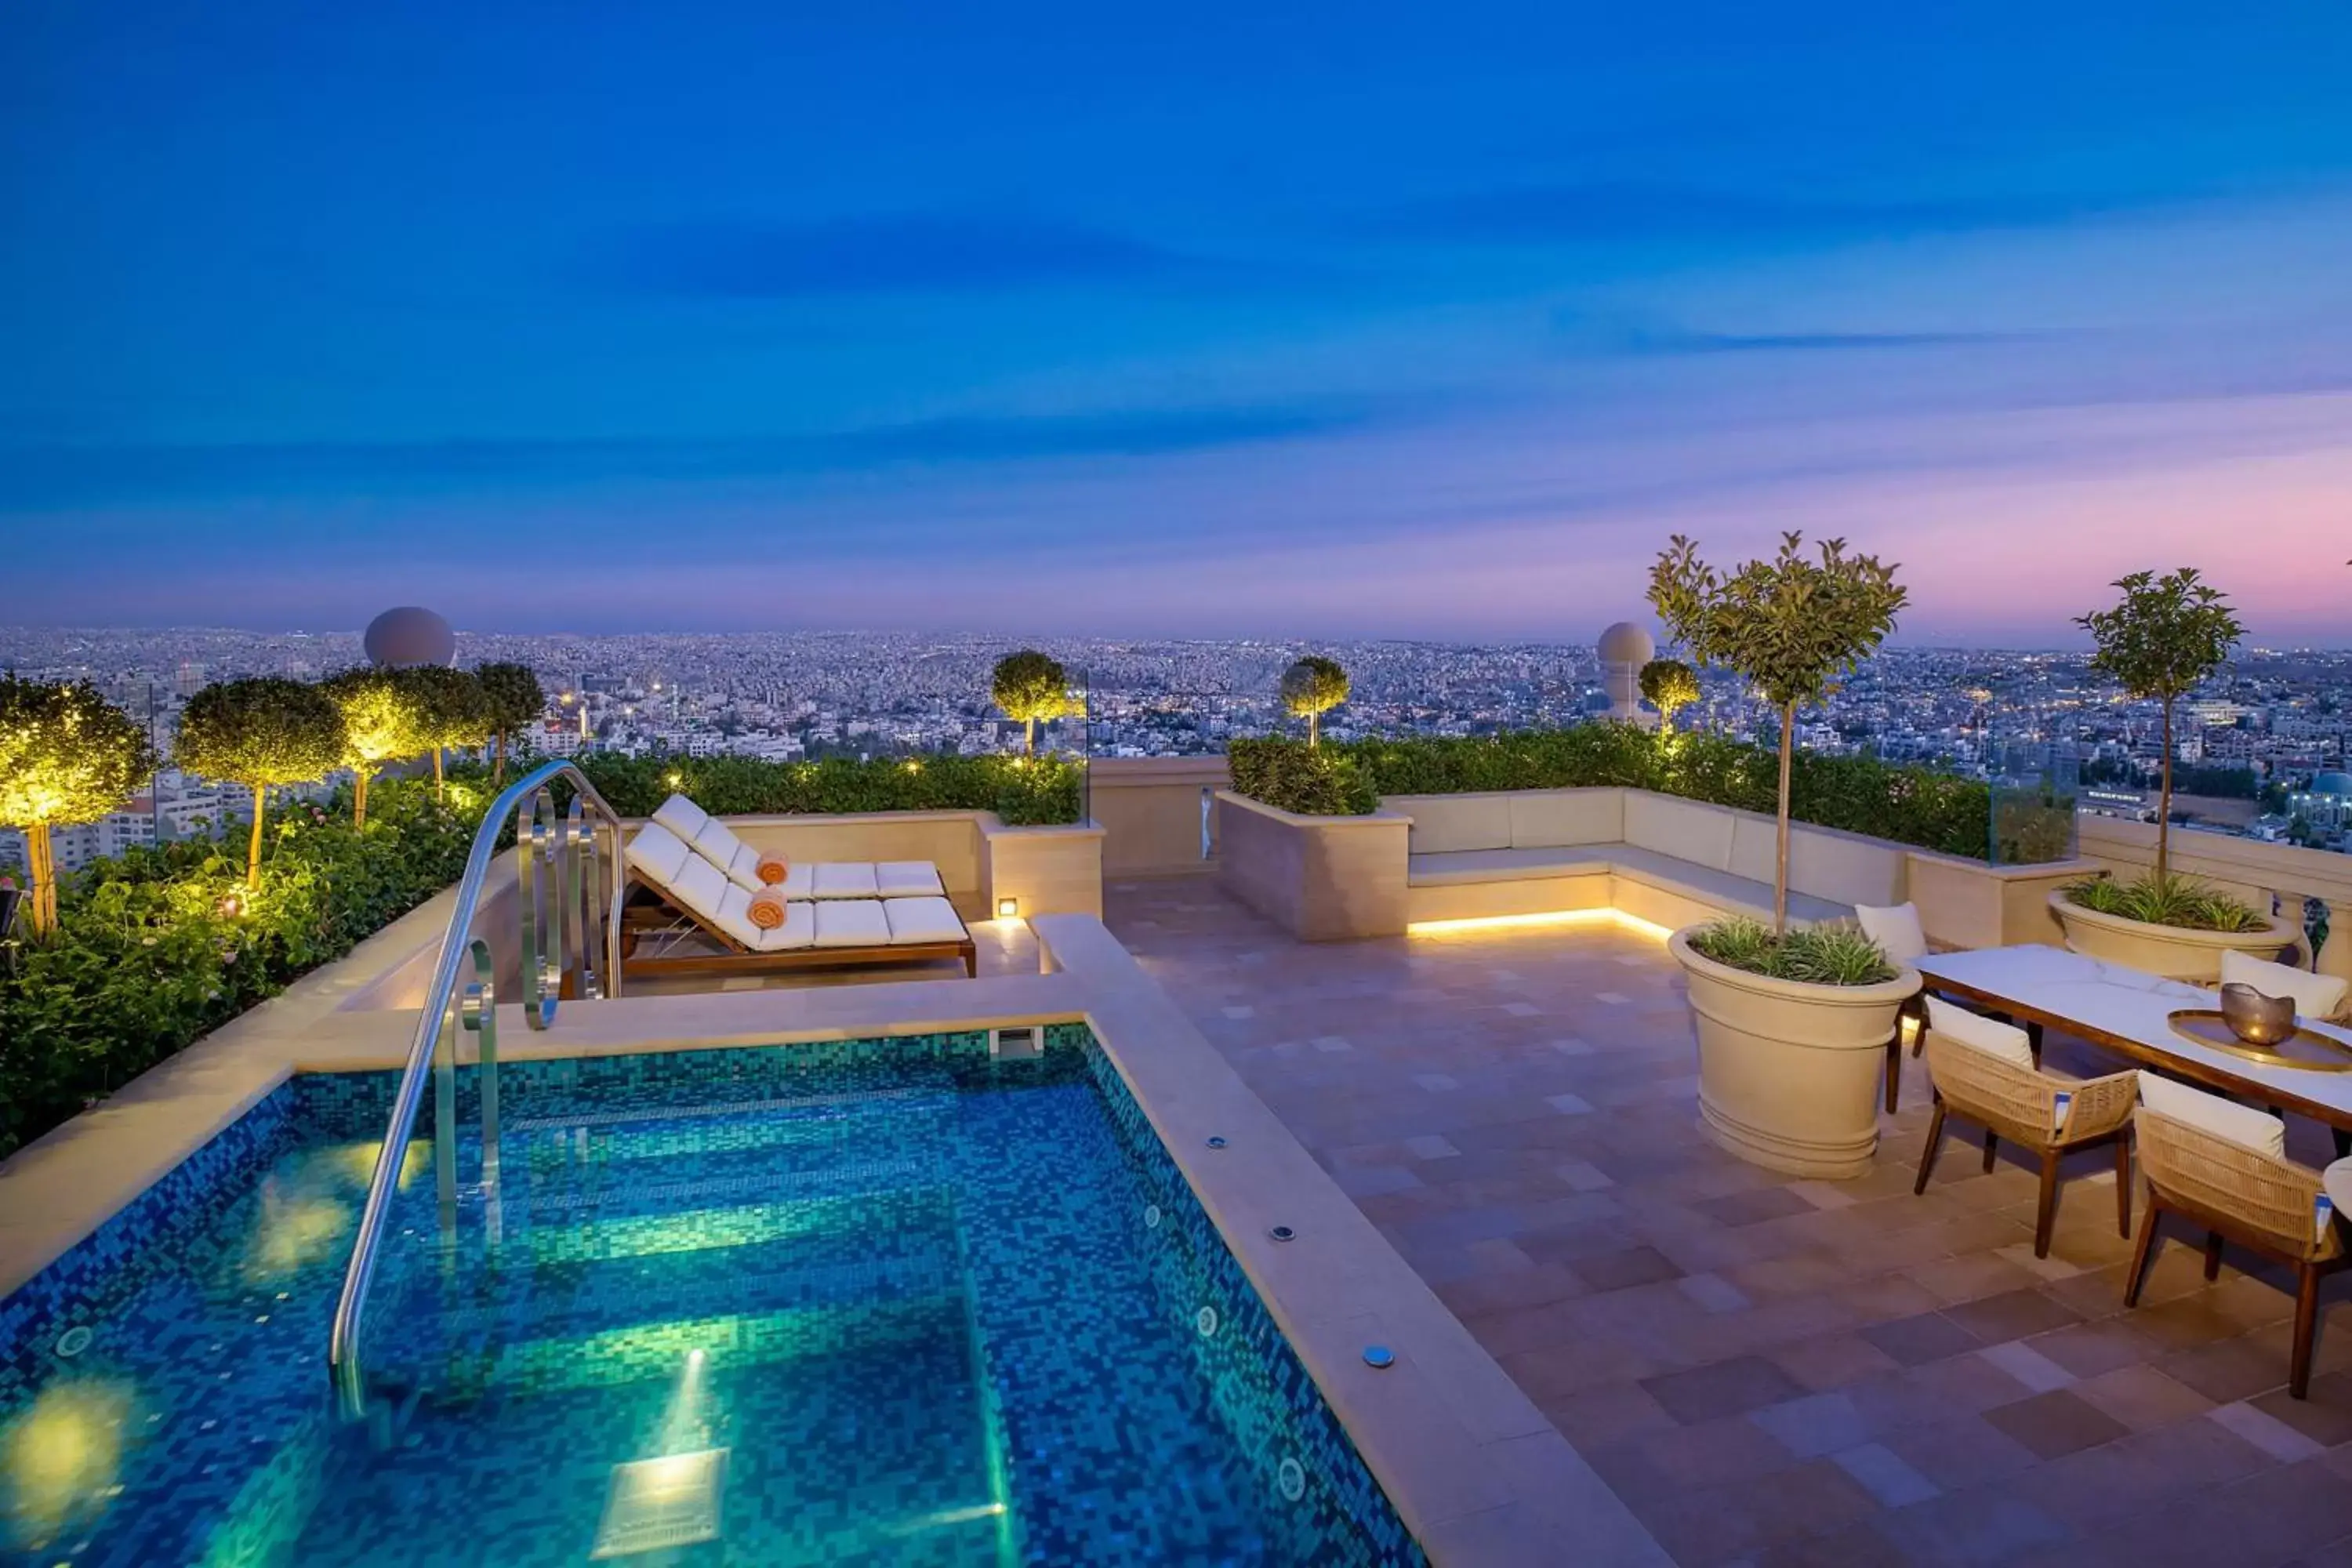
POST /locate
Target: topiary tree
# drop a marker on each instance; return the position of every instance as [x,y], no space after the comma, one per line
[515,700]
[1670,686]
[452,710]
[1789,626]
[1312,687]
[258,732]
[66,755]
[1030,686]
[382,722]
[2161,641]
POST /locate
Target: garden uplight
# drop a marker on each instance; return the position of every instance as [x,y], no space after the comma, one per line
[232,907]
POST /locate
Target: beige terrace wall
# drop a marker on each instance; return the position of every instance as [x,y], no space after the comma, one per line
[2247,868]
[1321,878]
[1150,811]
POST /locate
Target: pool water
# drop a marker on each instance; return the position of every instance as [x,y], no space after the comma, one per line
[864,1302]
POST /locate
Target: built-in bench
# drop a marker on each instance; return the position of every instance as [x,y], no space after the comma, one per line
[1657,857]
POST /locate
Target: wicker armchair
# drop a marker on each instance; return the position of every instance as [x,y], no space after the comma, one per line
[2021,1104]
[2262,1203]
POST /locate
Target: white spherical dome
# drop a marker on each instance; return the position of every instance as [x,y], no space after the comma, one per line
[1627,642]
[409,636]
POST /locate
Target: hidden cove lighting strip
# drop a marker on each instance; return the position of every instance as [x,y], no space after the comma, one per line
[1553,918]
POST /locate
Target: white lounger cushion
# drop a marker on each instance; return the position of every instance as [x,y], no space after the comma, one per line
[909,879]
[921,921]
[2315,995]
[844,879]
[2242,1124]
[799,929]
[658,853]
[681,817]
[851,923]
[717,844]
[2004,1042]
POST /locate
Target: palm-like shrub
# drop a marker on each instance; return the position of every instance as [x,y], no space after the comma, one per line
[2161,640]
[1818,955]
[66,755]
[258,732]
[1312,687]
[1029,687]
[1789,626]
[452,710]
[1670,686]
[2163,899]
[515,700]
[382,722]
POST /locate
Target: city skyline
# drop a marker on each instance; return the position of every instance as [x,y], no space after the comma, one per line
[1313,325]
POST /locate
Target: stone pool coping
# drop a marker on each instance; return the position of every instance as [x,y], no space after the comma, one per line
[1477,1472]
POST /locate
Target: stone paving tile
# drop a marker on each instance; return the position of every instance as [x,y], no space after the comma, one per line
[1534,1151]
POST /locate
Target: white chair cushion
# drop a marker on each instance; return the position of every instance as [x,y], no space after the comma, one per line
[844,879]
[851,923]
[2005,1042]
[658,854]
[2241,1124]
[1895,930]
[800,880]
[909,879]
[2315,995]
[681,817]
[922,919]
[717,843]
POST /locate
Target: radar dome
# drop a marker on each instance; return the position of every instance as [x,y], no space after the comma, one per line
[1627,642]
[409,636]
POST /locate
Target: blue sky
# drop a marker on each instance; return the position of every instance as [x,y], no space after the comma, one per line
[1373,320]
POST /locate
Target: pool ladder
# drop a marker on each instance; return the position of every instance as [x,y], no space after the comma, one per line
[568,873]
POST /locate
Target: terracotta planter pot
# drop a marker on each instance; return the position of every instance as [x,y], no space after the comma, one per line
[1788,1072]
[2174,952]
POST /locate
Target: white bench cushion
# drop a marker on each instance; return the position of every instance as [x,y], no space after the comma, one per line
[851,923]
[2241,1124]
[1508,864]
[681,817]
[1443,823]
[922,919]
[799,929]
[844,879]
[1542,819]
[1685,829]
[2315,995]
[909,879]
[2002,1042]
[658,854]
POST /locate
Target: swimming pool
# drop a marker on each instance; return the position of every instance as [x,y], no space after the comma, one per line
[885,1301]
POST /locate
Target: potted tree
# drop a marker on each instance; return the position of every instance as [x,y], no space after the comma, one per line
[452,710]
[258,732]
[1030,686]
[67,755]
[1670,686]
[1312,687]
[2165,637]
[381,723]
[1791,1025]
[516,698]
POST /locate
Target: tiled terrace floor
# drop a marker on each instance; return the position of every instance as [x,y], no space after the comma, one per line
[1766,1370]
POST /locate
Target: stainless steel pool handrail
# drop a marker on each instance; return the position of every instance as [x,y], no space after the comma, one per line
[535,841]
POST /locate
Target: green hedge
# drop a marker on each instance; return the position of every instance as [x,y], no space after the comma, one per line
[1024,791]
[1861,795]
[145,959]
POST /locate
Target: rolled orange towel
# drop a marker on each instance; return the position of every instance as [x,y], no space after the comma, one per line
[772,868]
[766,911]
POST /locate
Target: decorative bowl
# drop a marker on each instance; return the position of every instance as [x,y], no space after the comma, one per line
[2257,1019]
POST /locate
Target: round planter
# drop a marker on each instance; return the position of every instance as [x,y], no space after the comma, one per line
[1788,1072]
[2176,953]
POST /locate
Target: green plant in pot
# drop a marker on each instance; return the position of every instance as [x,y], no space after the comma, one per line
[1792,1025]
[2163,639]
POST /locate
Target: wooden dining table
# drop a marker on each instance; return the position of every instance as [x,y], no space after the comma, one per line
[2128,1013]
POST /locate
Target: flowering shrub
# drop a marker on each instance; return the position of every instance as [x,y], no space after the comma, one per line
[164,946]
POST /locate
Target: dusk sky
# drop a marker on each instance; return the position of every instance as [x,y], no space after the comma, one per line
[1226,319]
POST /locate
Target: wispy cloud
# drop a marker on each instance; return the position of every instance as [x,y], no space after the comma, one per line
[900,254]
[41,478]
[1622,338]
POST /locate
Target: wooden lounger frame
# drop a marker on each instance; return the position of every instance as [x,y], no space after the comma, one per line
[648,910]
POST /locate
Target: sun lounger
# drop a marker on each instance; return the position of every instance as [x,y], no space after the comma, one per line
[717,843]
[676,895]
